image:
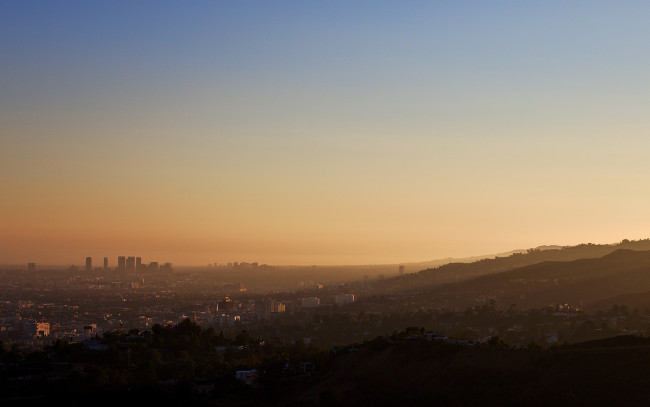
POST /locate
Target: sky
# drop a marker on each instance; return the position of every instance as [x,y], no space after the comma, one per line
[303,132]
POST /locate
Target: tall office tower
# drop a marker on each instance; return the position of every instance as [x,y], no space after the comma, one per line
[31,266]
[263,308]
[130,264]
[401,270]
[105,264]
[121,263]
[138,264]
[89,264]
[153,266]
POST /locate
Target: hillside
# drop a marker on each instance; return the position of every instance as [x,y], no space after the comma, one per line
[459,272]
[609,373]
[583,282]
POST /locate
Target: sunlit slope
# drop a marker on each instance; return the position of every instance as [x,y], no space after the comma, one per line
[458,272]
[583,283]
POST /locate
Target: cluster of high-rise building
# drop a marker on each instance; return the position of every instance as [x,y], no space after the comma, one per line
[244,266]
[125,264]
[130,264]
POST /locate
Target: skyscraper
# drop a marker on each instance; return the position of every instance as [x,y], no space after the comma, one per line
[138,263]
[31,266]
[121,263]
[130,264]
[89,264]
[105,264]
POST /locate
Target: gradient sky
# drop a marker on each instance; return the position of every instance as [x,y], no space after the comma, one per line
[305,132]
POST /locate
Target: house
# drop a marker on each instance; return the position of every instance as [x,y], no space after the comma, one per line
[435,336]
[247,377]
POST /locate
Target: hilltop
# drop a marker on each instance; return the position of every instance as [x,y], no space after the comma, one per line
[458,272]
[420,373]
[590,283]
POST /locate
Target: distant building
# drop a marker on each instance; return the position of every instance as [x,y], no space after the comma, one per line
[401,270]
[138,263]
[310,302]
[89,331]
[241,287]
[33,329]
[263,308]
[203,388]
[227,304]
[226,319]
[121,263]
[105,264]
[130,264]
[31,266]
[306,368]
[247,377]
[551,337]
[89,264]
[153,266]
[42,329]
[135,284]
[435,336]
[278,307]
[343,299]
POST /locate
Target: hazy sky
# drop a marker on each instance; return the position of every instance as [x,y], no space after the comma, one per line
[320,132]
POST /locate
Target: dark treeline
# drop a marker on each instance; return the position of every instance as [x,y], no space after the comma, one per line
[172,361]
[176,364]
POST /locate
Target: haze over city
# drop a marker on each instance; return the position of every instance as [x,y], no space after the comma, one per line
[319,133]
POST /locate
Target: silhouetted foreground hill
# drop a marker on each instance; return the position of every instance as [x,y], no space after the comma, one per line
[579,282]
[457,272]
[188,365]
[420,373]
[623,341]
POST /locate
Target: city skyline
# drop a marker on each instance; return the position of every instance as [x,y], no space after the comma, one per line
[320,133]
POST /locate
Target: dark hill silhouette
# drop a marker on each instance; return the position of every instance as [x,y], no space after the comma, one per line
[429,374]
[582,282]
[458,272]
[622,341]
